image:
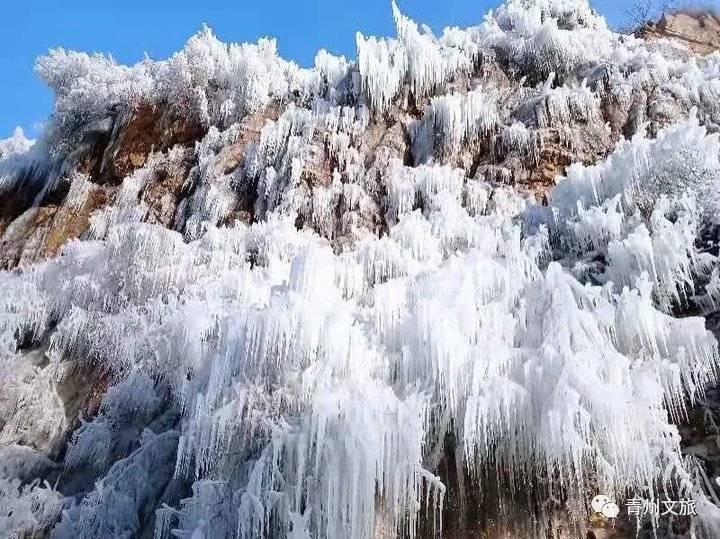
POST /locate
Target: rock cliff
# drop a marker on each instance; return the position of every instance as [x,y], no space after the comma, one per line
[456,287]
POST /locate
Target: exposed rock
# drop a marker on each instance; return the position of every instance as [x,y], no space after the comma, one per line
[165,189]
[41,231]
[318,168]
[417,222]
[699,31]
[135,134]
[232,157]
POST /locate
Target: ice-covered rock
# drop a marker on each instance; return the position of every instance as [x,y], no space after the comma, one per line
[253,300]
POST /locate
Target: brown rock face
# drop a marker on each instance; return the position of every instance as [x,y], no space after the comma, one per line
[318,168]
[12,205]
[232,157]
[698,31]
[111,150]
[164,192]
[135,135]
[41,230]
[69,223]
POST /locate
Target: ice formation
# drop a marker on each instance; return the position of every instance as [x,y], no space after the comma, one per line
[304,373]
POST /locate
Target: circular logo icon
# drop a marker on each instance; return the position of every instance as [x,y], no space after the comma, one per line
[610,510]
[598,502]
[605,506]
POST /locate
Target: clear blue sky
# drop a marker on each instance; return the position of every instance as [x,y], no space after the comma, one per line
[129,28]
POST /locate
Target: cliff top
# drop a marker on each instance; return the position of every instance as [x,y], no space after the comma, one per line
[699,30]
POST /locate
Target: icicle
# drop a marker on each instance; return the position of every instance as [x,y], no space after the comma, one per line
[457,120]
[299,374]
